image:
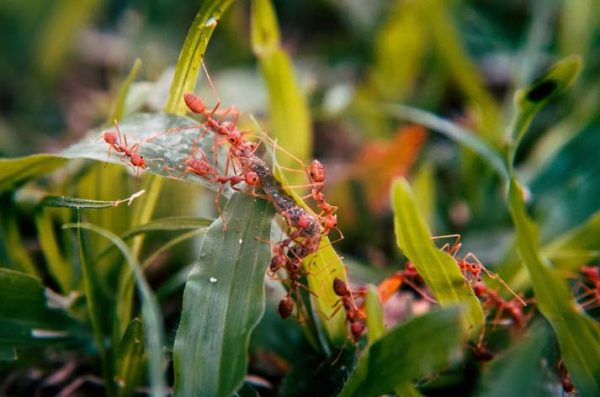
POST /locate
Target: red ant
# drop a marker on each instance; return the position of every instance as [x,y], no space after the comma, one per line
[114,138]
[354,315]
[591,275]
[513,307]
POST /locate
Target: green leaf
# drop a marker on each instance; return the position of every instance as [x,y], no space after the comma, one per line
[30,314]
[164,141]
[578,245]
[192,53]
[171,223]
[288,109]
[10,237]
[578,335]
[532,99]
[402,355]
[374,313]
[223,301]
[119,106]
[14,172]
[130,358]
[150,310]
[58,266]
[7,353]
[438,269]
[79,203]
[519,371]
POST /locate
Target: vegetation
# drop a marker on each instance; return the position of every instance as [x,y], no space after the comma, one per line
[159,243]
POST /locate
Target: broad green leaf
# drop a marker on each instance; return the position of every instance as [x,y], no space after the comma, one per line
[402,356]
[461,135]
[288,110]
[192,53]
[14,172]
[30,314]
[151,316]
[438,269]
[7,353]
[520,371]
[130,358]
[423,185]
[164,140]
[223,301]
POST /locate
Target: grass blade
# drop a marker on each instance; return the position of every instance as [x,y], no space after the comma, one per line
[466,138]
[14,172]
[150,310]
[288,109]
[61,269]
[119,106]
[578,335]
[130,358]
[401,356]
[190,58]
[438,269]
[223,301]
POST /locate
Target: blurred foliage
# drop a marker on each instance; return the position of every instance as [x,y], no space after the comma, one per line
[418,89]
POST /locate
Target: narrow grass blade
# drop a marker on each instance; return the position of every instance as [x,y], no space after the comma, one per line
[374,313]
[130,358]
[438,269]
[79,203]
[577,246]
[172,223]
[578,335]
[119,106]
[14,172]
[192,52]
[288,109]
[150,311]
[532,99]
[60,269]
[415,349]
[223,301]
[10,234]
[464,137]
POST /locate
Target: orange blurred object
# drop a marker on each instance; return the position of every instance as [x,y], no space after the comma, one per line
[380,162]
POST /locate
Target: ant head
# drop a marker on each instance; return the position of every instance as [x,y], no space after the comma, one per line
[137,160]
[194,103]
[234,137]
[591,272]
[316,171]
[330,222]
[479,289]
[277,262]
[286,307]
[357,328]
[252,178]
[339,287]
